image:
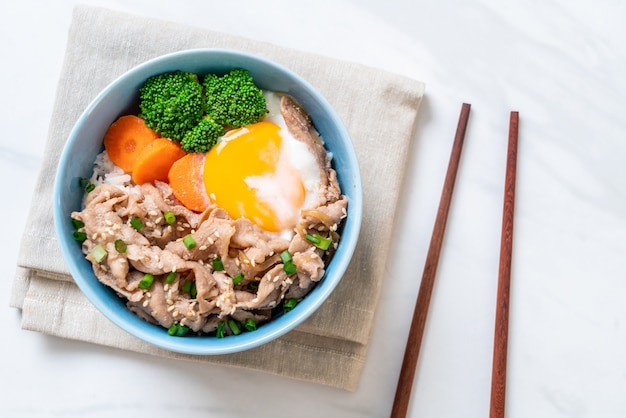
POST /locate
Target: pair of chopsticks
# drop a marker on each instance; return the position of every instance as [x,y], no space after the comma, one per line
[416,332]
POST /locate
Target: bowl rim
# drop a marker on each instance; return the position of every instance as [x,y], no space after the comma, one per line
[274,328]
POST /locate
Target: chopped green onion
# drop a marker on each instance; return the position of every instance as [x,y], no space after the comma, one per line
[221,326]
[169,279]
[182,330]
[146,281]
[234,326]
[120,246]
[289,267]
[194,290]
[237,279]
[320,242]
[187,286]
[77,223]
[86,184]
[218,265]
[250,324]
[285,256]
[290,304]
[99,253]
[136,223]
[80,236]
[189,242]
[169,216]
[177,330]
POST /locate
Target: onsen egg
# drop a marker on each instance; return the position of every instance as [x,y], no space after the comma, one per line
[261,172]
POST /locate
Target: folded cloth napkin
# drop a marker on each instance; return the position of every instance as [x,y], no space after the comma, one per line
[379,110]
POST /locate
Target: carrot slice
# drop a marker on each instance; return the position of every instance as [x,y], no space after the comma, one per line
[155,160]
[125,139]
[187,181]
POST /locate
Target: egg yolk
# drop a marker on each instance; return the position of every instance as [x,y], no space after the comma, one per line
[248,175]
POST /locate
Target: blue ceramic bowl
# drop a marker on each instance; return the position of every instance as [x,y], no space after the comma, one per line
[85,142]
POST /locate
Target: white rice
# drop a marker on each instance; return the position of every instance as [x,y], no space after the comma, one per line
[105,171]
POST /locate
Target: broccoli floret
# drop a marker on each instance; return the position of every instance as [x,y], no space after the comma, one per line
[172,103]
[203,136]
[233,100]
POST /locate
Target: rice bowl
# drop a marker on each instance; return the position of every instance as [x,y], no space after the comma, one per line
[87,138]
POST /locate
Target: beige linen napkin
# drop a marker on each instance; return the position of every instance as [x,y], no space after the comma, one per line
[379,110]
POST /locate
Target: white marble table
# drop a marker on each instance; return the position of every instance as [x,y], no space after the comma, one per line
[561,64]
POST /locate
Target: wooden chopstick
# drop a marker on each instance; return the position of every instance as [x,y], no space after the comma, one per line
[498,373]
[416,331]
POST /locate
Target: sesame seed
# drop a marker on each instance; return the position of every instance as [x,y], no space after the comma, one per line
[108,222]
[94,236]
[253,263]
[255,300]
[176,313]
[210,240]
[149,224]
[276,279]
[237,262]
[334,227]
[153,213]
[148,294]
[146,303]
[246,261]
[314,255]
[166,287]
[158,220]
[217,234]
[180,228]
[202,247]
[186,225]
[169,302]
[272,304]
[183,321]
[189,313]
[212,196]
[171,308]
